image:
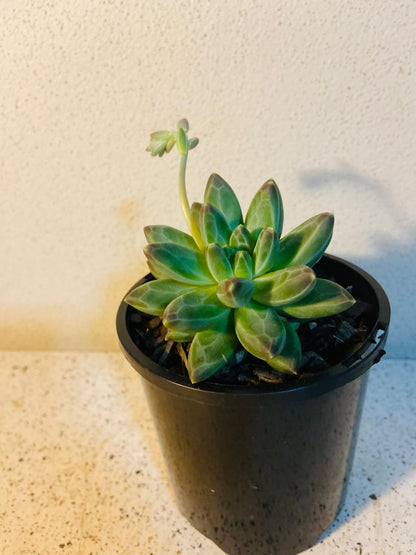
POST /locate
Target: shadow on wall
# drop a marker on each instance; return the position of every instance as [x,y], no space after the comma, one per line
[391,265]
[393,259]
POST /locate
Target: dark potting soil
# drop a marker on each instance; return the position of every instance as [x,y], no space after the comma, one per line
[325,342]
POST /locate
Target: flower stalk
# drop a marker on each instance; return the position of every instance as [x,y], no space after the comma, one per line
[161,143]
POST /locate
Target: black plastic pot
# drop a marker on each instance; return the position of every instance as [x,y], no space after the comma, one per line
[264,471]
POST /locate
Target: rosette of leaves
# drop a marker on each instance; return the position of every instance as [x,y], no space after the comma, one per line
[234,285]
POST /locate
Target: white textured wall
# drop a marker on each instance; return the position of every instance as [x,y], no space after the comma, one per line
[319,95]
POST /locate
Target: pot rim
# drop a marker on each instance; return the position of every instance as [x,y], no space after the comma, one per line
[369,353]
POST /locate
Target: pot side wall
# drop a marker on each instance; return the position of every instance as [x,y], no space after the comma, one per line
[246,475]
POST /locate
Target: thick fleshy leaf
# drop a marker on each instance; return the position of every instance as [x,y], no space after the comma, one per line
[170,261]
[179,337]
[266,251]
[153,297]
[210,350]
[219,194]
[288,360]
[260,330]
[214,228]
[325,299]
[167,234]
[196,311]
[306,243]
[243,265]
[196,214]
[265,210]
[285,286]
[193,142]
[217,262]
[241,238]
[235,292]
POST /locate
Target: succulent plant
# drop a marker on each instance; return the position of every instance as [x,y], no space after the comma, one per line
[234,285]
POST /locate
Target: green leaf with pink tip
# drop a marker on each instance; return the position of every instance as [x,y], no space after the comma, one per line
[289,358]
[265,210]
[235,292]
[153,297]
[218,263]
[326,298]
[307,242]
[260,330]
[195,311]
[243,265]
[241,238]
[167,234]
[210,351]
[221,196]
[214,228]
[266,251]
[171,261]
[284,287]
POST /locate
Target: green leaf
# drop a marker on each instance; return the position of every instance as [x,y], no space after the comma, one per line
[195,311]
[192,143]
[217,262]
[288,361]
[214,228]
[219,194]
[241,239]
[235,292]
[181,141]
[152,297]
[170,261]
[210,350]
[266,251]
[167,234]
[179,337]
[325,299]
[196,214]
[265,210]
[243,265]
[306,243]
[260,330]
[284,287]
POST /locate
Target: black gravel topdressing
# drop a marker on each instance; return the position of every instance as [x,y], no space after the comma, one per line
[325,342]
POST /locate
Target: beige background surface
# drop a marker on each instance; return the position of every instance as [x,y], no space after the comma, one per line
[319,95]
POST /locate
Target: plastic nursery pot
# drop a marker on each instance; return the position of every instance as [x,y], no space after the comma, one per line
[263,470]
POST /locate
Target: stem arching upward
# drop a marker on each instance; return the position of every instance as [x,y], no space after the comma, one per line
[183,146]
[162,142]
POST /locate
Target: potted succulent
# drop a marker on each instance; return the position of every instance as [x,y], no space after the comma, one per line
[254,349]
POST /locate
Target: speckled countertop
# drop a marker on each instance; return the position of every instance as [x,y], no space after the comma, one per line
[82,473]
